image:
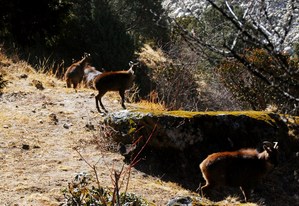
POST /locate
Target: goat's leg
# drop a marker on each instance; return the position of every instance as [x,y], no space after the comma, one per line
[246,192]
[68,83]
[100,95]
[102,105]
[122,95]
[97,104]
[99,99]
[204,189]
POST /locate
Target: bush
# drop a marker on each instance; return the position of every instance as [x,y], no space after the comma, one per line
[81,192]
[250,89]
[176,87]
[191,86]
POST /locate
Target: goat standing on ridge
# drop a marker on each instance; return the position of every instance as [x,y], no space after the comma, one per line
[243,168]
[113,81]
[74,73]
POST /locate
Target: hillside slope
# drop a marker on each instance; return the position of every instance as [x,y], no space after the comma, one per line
[39,130]
[48,134]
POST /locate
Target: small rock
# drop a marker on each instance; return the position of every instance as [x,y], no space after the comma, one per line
[90,126]
[67,125]
[25,147]
[38,84]
[5,126]
[23,76]
[53,118]
[180,201]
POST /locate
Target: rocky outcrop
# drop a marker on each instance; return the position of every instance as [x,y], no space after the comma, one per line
[174,143]
[211,131]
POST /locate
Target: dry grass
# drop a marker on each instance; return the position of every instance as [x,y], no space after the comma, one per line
[151,106]
[152,58]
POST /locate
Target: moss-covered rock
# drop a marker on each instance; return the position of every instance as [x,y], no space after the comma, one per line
[208,131]
[173,143]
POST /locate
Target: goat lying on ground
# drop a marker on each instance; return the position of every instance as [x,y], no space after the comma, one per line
[90,74]
[74,73]
[243,168]
[113,81]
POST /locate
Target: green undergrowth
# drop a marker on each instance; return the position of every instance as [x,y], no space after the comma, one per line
[258,115]
[81,192]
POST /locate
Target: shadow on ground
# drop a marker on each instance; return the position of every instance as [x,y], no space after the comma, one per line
[277,188]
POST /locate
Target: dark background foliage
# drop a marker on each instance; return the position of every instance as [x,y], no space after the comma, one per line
[68,28]
[225,61]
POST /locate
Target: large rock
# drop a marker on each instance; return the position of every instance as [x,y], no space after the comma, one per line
[209,131]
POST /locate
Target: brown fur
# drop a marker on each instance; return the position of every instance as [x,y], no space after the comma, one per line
[74,73]
[243,168]
[113,81]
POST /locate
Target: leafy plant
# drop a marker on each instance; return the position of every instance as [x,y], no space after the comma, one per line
[81,192]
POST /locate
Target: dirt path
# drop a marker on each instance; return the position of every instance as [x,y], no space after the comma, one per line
[38,131]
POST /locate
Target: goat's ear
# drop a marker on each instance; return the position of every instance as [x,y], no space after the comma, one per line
[275,145]
[131,70]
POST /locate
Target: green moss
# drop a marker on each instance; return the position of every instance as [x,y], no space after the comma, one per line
[258,115]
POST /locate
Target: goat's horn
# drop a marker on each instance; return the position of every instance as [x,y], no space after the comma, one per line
[267,143]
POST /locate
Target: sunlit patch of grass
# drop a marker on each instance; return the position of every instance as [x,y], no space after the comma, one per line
[21,73]
[151,57]
[151,106]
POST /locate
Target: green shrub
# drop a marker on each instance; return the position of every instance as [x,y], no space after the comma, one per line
[80,192]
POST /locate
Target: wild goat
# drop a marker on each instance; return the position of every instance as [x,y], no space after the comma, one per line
[243,168]
[74,73]
[90,74]
[113,81]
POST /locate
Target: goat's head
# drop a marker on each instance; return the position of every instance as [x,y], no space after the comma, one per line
[272,150]
[86,55]
[132,65]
